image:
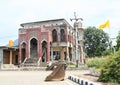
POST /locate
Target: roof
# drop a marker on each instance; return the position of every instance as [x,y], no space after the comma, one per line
[9,47]
[46,21]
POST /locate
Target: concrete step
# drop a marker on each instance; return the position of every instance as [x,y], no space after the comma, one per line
[8,66]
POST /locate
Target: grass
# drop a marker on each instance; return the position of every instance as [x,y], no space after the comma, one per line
[71,65]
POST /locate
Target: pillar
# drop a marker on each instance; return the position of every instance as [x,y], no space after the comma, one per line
[27,46]
[19,58]
[82,55]
[67,51]
[73,54]
[10,56]
[51,54]
[48,52]
[40,48]
[62,54]
[1,54]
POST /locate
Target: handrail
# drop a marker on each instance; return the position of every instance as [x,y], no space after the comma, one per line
[24,60]
[39,61]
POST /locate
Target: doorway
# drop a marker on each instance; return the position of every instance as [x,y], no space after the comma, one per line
[33,48]
[44,51]
[23,52]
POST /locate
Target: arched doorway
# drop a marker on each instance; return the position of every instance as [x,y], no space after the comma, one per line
[23,51]
[33,48]
[44,51]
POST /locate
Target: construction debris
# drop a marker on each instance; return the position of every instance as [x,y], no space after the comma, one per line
[58,73]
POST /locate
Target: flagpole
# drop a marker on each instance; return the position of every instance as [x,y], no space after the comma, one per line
[110,41]
[109,37]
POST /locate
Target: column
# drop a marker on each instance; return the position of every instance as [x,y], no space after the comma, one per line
[40,46]
[40,49]
[73,54]
[62,54]
[67,50]
[67,33]
[51,54]
[82,55]
[10,56]
[1,58]
[19,57]
[27,46]
[48,52]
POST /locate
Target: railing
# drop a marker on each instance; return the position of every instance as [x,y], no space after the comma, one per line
[24,61]
[39,61]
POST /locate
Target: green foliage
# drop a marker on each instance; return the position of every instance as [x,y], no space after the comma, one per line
[107,52]
[96,41]
[95,62]
[111,69]
[71,65]
[118,41]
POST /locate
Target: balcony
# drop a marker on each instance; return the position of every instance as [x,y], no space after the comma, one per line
[61,44]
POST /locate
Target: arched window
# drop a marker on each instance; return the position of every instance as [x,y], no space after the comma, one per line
[54,35]
[62,34]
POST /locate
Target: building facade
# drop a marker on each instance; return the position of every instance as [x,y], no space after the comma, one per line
[8,56]
[49,40]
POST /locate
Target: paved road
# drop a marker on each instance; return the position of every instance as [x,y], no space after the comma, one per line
[32,78]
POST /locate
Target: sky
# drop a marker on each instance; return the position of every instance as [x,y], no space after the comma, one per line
[93,12]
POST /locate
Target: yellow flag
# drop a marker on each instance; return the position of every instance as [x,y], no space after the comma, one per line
[11,43]
[105,25]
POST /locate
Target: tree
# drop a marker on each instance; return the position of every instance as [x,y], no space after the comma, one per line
[96,41]
[118,41]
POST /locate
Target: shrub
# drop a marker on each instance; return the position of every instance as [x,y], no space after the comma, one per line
[107,52]
[95,62]
[111,69]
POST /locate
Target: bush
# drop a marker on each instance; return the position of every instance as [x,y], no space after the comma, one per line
[107,52]
[95,62]
[111,69]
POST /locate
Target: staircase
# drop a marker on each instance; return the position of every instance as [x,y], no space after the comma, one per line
[34,63]
[31,62]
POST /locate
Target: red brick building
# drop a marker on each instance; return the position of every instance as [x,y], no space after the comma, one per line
[48,40]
